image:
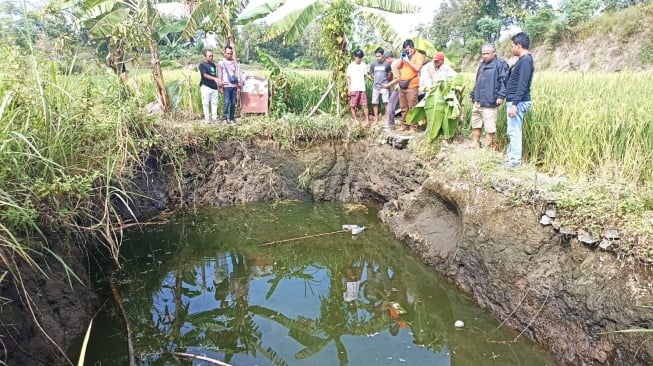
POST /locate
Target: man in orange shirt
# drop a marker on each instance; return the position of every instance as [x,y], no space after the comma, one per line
[411,63]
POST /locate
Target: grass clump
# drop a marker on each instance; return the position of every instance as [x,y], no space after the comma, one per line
[66,147]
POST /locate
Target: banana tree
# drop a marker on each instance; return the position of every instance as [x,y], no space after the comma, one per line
[222,16]
[337,18]
[441,107]
[124,25]
[293,25]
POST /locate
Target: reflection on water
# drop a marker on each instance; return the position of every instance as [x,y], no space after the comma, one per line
[203,284]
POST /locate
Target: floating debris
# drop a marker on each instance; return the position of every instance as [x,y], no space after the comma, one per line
[398,309]
[567,231]
[357,230]
[551,210]
[605,244]
[459,324]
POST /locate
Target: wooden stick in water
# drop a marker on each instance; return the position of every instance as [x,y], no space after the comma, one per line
[130,346]
[303,237]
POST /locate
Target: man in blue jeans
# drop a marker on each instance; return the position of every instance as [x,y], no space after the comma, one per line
[229,75]
[518,96]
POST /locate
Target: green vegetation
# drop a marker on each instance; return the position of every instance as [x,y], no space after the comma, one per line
[66,142]
[441,109]
[72,133]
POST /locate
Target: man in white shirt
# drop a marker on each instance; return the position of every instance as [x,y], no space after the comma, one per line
[356,72]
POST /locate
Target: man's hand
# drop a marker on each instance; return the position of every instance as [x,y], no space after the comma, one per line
[512,111]
[499,101]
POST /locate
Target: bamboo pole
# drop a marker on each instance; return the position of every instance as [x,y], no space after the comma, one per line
[319,103]
[303,237]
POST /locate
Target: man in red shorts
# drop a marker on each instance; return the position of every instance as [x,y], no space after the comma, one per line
[356,72]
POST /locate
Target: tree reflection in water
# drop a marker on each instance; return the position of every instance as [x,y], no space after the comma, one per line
[207,288]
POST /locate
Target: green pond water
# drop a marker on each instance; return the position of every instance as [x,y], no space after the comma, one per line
[206,283]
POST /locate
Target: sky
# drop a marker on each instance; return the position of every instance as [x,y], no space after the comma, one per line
[404,24]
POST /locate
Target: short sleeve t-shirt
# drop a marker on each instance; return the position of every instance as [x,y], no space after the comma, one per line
[356,73]
[208,68]
[380,72]
[407,73]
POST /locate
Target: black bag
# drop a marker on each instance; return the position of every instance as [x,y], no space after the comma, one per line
[403,84]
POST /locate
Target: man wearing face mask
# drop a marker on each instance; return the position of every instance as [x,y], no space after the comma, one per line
[411,63]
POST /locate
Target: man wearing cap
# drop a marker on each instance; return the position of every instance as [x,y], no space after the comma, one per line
[379,71]
[438,70]
[488,94]
[393,78]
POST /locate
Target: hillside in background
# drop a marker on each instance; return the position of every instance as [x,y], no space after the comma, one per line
[612,42]
[619,41]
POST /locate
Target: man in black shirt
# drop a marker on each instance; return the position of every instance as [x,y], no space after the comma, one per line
[209,87]
[518,96]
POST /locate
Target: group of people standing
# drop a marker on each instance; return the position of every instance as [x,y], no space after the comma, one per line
[223,78]
[496,84]
[398,80]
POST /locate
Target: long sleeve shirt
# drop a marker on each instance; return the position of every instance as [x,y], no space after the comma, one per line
[518,87]
[490,82]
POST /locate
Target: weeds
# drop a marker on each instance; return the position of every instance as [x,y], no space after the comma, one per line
[64,156]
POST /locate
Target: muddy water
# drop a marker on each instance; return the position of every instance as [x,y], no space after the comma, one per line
[213,282]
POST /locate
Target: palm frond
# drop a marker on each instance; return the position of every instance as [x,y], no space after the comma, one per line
[386,30]
[205,12]
[391,6]
[260,11]
[292,26]
[103,26]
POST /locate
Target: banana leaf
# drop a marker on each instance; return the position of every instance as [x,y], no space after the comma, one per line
[450,121]
[416,113]
[441,107]
[438,115]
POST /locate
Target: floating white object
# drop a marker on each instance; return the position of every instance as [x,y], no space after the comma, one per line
[357,230]
[348,227]
[459,324]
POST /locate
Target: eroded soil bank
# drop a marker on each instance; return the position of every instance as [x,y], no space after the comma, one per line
[563,295]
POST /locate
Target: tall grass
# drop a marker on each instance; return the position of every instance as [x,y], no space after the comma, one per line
[65,144]
[592,125]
